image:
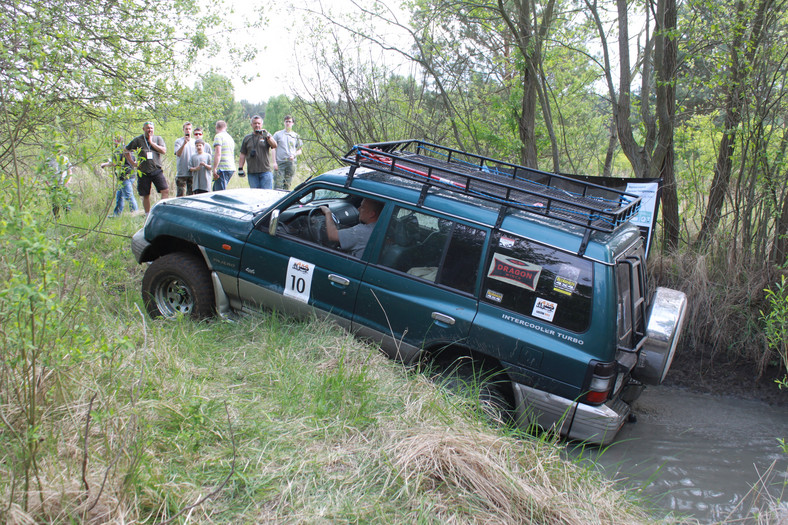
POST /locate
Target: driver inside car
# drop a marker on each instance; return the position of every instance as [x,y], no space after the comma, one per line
[354,240]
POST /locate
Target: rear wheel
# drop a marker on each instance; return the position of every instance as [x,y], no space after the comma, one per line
[466,378]
[178,284]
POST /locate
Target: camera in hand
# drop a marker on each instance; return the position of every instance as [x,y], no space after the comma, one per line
[258,132]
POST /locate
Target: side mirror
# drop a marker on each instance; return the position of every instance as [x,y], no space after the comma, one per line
[273,222]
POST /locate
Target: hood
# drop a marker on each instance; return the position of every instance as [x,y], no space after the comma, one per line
[238,204]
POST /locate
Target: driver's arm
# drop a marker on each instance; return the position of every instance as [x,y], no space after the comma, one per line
[331,227]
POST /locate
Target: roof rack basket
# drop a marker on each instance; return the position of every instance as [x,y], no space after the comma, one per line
[507,185]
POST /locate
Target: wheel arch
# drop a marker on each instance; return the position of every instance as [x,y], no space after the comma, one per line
[165,244]
[488,366]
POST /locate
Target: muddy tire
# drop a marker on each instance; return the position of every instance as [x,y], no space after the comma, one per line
[178,284]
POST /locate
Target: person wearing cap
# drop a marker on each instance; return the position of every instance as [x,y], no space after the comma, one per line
[184,149]
[147,150]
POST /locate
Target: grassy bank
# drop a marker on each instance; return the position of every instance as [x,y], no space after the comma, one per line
[108,416]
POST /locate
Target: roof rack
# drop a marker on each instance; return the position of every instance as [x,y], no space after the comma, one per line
[508,185]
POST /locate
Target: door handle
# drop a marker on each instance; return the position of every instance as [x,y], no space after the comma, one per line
[338,279]
[443,318]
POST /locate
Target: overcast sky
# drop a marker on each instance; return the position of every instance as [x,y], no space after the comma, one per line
[275,63]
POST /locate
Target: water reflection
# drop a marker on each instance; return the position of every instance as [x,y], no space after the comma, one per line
[701,455]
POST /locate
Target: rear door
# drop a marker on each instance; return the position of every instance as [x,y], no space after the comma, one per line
[419,293]
[535,314]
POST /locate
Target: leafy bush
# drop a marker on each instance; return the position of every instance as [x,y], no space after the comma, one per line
[775,321]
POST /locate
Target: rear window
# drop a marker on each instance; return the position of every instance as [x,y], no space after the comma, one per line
[539,281]
[433,248]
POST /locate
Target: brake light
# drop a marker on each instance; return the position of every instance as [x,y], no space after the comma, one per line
[603,379]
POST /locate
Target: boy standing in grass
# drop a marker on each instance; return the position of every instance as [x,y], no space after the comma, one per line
[201,168]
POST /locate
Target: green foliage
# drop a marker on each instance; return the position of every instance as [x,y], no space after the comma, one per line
[212,99]
[275,111]
[775,322]
[65,61]
[42,312]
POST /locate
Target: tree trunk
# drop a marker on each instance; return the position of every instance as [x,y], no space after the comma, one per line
[733,112]
[665,56]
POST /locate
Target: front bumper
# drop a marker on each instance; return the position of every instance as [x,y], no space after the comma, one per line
[139,245]
[594,424]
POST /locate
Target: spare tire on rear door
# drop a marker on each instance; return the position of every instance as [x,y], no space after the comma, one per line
[665,321]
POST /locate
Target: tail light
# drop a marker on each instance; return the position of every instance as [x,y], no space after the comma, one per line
[603,379]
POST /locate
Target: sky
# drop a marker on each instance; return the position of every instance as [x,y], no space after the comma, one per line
[277,46]
[274,64]
[274,46]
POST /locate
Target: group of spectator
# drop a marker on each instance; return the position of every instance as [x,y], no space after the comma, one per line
[269,159]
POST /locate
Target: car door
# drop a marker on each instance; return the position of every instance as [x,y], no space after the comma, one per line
[295,274]
[535,314]
[420,291]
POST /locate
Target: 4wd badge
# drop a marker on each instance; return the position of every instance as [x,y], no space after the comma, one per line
[514,271]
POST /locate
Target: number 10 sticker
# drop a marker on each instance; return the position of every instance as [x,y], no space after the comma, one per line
[298,281]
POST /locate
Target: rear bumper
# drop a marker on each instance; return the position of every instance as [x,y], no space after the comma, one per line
[594,424]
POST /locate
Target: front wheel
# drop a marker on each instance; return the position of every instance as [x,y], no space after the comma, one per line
[178,284]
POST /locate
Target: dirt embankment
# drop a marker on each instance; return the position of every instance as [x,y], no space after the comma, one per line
[703,371]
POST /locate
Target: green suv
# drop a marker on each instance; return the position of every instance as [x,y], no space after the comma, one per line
[537,279]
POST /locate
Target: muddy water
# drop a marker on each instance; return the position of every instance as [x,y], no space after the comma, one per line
[699,456]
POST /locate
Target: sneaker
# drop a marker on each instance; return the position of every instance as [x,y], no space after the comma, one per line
[137,213]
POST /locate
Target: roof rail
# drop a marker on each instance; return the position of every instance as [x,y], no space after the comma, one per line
[507,185]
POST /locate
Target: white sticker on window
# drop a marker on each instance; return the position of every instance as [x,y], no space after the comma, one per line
[506,242]
[298,281]
[544,309]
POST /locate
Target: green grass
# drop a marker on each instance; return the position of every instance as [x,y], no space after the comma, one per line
[264,419]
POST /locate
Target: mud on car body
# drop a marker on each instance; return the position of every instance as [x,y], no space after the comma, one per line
[538,280]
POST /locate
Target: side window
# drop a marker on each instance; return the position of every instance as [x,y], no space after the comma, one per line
[433,248]
[540,282]
[333,219]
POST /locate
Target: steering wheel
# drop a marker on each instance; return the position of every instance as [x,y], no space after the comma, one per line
[316,226]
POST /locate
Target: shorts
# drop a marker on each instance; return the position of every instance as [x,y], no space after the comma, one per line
[146,179]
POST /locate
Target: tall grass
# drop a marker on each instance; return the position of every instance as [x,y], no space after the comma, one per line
[263,419]
[724,322]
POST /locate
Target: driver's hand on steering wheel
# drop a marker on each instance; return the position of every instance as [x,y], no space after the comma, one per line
[329,214]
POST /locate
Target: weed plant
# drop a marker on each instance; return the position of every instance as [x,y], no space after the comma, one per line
[724,321]
[109,417]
